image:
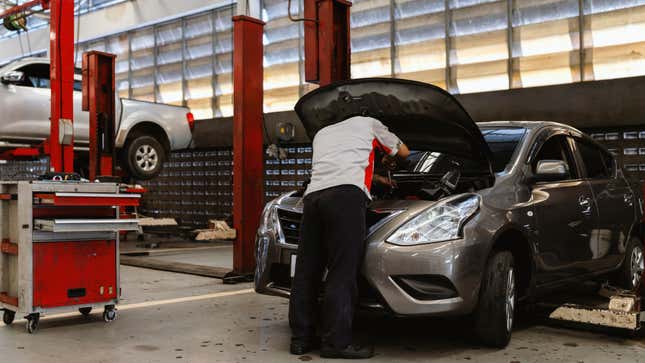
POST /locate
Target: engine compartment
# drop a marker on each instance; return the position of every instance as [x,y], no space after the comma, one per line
[430,176]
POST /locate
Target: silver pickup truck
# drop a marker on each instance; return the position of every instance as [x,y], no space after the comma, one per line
[145,132]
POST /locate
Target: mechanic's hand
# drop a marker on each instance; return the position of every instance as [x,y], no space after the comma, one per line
[389,162]
[380,179]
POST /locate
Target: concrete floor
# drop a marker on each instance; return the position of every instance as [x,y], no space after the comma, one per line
[168,317]
[219,256]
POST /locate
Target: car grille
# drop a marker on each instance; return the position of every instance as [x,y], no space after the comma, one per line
[290,224]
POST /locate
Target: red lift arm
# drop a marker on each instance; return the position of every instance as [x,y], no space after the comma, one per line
[60,145]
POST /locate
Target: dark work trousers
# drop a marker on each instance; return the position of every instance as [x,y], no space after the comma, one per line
[333,237]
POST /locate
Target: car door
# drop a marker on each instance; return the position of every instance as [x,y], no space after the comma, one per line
[26,111]
[564,216]
[614,200]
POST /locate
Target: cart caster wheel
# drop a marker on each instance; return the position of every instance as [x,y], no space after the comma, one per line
[109,315]
[8,317]
[33,321]
[85,311]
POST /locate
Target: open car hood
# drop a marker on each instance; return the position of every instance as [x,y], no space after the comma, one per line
[422,115]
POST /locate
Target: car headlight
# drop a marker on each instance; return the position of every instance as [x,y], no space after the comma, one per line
[441,222]
[269,217]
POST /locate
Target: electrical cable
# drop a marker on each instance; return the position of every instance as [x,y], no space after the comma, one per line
[297,19]
[22,50]
[28,42]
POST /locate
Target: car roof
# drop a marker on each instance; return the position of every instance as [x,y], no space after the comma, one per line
[525,124]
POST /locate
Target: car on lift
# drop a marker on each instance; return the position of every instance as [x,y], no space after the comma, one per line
[484,216]
[145,133]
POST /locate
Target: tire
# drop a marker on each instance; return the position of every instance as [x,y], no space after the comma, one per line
[495,311]
[85,311]
[8,317]
[144,157]
[33,323]
[629,275]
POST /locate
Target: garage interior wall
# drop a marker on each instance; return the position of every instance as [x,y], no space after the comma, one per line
[464,46]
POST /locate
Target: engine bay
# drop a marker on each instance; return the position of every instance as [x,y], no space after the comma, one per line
[428,175]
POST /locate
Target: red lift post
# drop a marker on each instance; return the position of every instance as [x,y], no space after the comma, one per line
[99,99]
[248,146]
[327,59]
[327,41]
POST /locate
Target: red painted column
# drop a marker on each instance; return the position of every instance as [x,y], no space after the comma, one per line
[327,42]
[61,53]
[99,100]
[248,159]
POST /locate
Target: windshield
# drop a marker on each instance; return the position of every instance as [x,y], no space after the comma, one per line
[502,142]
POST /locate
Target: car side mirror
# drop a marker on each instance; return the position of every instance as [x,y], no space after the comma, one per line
[550,170]
[12,77]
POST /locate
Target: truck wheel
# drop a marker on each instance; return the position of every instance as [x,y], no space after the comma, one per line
[495,312]
[630,273]
[144,157]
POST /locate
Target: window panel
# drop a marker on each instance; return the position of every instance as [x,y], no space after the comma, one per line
[201,109]
[282,55]
[548,69]
[197,89]
[626,60]
[199,26]
[142,39]
[545,38]
[170,93]
[527,12]
[479,48]
[618,27]
[478,19]
[601,6]
[481,77]
[119,45]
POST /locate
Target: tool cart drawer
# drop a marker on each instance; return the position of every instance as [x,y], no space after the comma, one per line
[63,199]
[85,225]
[74,273]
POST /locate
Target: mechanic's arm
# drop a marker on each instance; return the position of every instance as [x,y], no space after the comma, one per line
[393,147]
[403,152]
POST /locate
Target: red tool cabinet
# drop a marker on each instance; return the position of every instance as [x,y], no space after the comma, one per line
[60,247]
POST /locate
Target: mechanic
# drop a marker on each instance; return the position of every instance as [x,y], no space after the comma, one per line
[333,234]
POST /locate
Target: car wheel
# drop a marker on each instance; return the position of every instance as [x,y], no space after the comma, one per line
[629,276]
[495,311]
[144,157]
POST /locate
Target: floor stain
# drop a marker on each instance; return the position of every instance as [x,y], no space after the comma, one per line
[146,348]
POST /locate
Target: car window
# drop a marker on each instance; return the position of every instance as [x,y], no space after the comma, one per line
[556,148]
[598,163]
[38,75]
[502,142]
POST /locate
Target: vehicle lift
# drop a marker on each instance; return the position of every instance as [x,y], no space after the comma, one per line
[327,60]
[609,308]
[60,235]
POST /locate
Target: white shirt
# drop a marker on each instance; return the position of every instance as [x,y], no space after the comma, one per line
[343,153]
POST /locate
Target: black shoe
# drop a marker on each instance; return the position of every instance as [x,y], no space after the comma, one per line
[300,347]
[349,352]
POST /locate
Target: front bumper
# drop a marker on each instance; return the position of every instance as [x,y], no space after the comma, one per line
[391,275]
[433,279]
